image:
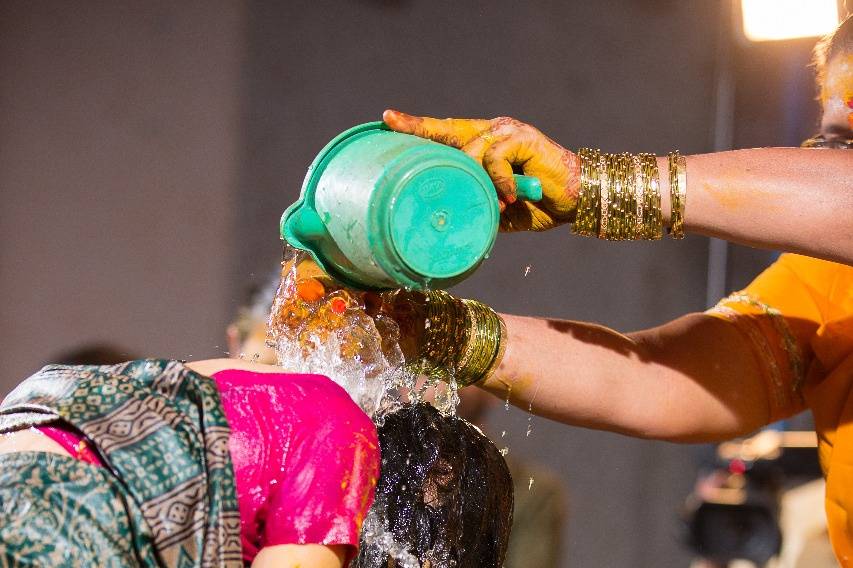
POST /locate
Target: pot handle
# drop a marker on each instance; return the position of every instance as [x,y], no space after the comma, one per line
[528,188]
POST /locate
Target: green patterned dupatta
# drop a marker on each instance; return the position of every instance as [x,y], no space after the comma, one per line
[161,430]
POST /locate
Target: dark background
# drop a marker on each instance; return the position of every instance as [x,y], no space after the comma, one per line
[148,149]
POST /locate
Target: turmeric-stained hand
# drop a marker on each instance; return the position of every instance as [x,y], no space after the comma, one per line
[501,144]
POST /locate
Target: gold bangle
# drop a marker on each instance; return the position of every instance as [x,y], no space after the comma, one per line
[604,182]
[616,198]
[652,217]
[589,197]
[627,201]
[678,194]
[486,341]
[639,184]
[619,197]
[464,340]
[501,350]
[621,208]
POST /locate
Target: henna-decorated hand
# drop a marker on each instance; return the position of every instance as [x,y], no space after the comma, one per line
[501,144]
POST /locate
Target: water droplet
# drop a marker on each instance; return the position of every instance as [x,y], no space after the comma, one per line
[527,270]
[504,451]
[529,483]
[503,433]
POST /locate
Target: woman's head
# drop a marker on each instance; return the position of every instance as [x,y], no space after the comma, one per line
[444,493]
[834,64]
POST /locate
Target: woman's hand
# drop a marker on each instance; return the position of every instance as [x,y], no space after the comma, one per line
[500,145]
[445,337]
[299,555]
[409,312]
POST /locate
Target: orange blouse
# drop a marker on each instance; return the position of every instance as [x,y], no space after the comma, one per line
[798,318]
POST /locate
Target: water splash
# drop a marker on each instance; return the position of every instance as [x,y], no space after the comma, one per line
[320,329]
[446,395]
[375,531]
[318,326]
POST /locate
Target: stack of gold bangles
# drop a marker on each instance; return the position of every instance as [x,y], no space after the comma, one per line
[463,339]
[619,196]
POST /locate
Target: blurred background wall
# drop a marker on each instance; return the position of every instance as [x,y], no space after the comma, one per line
[119,155]
[148,149]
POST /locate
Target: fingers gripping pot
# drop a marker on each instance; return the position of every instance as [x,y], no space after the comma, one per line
[380,210]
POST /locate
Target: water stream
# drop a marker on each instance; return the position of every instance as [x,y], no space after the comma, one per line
[318,326]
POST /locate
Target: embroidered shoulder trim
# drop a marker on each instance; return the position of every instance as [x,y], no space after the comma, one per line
[789,343]
[781,396]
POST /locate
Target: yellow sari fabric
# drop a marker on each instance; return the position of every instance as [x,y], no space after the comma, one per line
[798,318]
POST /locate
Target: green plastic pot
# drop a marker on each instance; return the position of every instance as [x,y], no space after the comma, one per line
[380,209]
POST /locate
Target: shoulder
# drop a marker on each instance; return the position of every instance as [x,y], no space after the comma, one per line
[812,268]
[826,283]
[328,405]
[324,390]
[313,403]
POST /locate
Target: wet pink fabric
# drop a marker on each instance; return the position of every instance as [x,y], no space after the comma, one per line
[72,442]
[306,458]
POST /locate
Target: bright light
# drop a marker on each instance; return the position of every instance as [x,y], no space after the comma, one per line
[765,20]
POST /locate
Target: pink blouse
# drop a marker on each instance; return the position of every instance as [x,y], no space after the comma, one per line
[306,458]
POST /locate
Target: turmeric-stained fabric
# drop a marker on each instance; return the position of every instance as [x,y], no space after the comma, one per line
[798,318]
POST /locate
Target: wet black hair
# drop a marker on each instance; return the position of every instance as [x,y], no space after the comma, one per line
[93,354]
[445,492]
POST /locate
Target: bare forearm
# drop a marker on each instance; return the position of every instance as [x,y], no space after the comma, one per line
[567,371]
[299,555]
[792,199]
[690,380]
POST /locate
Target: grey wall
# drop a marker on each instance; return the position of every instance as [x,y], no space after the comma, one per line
[148,150]
[118,138]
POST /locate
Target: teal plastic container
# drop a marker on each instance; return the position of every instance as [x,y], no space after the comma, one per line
[380,209]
